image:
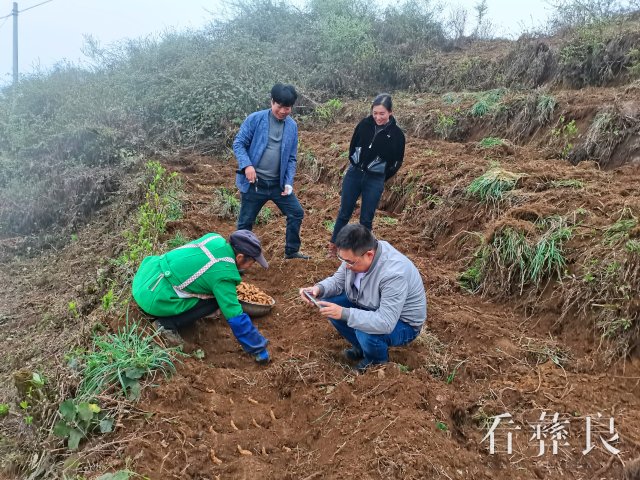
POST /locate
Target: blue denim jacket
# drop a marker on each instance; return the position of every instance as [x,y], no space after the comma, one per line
[251,142]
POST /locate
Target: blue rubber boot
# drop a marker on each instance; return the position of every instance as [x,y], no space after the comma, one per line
[262,358]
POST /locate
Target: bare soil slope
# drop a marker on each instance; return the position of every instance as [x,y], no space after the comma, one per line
[424,415]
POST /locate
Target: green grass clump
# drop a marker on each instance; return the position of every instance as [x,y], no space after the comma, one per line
[633,246]
[544,108]
[489,142]
[177,240]
[619,230]
[491,186]
[513,257]
[225,203]
[487,102]
[548,255]
[389,221]
[122,359]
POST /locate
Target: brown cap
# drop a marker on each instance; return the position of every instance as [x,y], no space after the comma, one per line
[247,243]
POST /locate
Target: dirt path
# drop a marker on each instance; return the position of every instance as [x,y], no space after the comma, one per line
[307,416]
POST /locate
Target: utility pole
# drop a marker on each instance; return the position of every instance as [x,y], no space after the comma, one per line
[15,42]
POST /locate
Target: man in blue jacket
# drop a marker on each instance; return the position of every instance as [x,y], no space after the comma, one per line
[375,300]
[266,149]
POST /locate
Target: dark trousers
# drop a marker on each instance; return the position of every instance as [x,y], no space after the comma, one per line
[356,183]
[201,309]
[260,193]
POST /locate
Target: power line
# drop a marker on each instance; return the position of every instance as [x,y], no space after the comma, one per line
[34,6]
[28,8]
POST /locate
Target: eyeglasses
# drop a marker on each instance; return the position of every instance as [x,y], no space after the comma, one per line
[350,263]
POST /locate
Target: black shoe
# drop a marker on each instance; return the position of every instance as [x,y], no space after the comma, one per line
[171,337]
[294,255]
[352,354]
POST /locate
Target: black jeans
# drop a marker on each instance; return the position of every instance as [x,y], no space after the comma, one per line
[356,183]
[201,309]
[260,193]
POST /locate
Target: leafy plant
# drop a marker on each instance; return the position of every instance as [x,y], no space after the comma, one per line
[329,225]
[78,420]
[472,277]
[403,368]
[123,359]
[445,125]
[4,409]
[160,206]
[442,426]
[72,307]
[328,110]
[107,300]
[489,142]
[565,132]
[199,354]
[177,240]
[25,406]
[264,216]
[225,203]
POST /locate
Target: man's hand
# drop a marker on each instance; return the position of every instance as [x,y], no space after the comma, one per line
[288,189]
[314,291]
[330,310]
[250,173]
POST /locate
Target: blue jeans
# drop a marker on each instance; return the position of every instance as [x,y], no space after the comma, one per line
[375,348]
[356,183]
[260,193]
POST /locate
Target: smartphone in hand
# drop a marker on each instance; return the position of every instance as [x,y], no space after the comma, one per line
[313,299]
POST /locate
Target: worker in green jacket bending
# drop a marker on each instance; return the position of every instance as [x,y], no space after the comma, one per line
[194,280]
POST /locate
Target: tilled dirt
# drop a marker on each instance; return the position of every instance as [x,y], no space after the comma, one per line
[307,415]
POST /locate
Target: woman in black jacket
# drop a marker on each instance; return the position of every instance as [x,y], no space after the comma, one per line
[375,155]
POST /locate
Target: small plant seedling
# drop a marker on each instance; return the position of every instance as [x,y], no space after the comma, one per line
[329,225]
[4,409]
[389,221]
[442,426]
[73,309]
[199,354]
[78,419]
[107,300]
[403,368]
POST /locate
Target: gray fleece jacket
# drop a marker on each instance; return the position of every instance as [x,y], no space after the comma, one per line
[391,290]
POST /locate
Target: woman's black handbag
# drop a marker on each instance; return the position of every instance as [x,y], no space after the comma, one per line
[378,165]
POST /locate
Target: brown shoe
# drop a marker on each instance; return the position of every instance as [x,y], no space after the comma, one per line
[332,251]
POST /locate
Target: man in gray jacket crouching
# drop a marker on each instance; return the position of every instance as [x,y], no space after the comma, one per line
[376,298]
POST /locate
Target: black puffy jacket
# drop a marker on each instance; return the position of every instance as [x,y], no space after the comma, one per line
[388,144]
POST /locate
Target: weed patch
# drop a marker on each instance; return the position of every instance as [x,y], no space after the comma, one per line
[492,186]
[119,361]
